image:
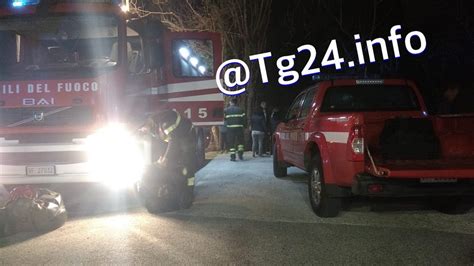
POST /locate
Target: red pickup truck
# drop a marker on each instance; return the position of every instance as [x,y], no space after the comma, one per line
[374,138]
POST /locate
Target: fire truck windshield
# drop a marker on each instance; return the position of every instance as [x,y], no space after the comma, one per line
[58,43]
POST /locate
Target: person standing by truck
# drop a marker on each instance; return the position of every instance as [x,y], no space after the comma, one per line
[258,128]
[234,117]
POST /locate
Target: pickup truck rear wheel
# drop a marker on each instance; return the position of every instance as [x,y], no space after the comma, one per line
[279,170]
[323,205]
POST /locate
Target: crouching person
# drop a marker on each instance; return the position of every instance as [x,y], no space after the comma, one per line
[168,184]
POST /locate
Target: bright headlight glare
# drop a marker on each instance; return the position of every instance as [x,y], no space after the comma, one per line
[115,156]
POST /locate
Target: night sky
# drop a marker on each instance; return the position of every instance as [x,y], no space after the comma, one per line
[447,25]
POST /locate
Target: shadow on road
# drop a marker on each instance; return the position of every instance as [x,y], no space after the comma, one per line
[296,178]
[18,238]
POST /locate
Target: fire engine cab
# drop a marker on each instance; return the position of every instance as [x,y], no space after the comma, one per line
[78,77]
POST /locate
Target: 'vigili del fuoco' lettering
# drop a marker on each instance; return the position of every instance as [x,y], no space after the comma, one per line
[10,89]
[77,86]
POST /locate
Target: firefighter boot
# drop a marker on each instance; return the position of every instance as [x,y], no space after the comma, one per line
[241,152]
[232,155]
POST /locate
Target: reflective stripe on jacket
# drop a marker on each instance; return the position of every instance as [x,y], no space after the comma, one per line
[172,127]
[234,117]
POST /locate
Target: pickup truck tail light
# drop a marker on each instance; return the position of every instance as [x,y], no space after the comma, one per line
[356,144]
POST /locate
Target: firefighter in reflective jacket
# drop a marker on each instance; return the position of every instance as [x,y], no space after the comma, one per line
[179,160]
[235,122]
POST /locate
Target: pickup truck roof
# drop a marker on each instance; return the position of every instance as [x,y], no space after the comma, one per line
[371,86]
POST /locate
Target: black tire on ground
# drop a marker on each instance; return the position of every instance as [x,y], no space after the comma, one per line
[187,198]
[322,204]
[453,205]
[158,204]
[157,207]
[279,170]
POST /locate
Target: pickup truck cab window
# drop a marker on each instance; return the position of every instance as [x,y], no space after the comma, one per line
[307,103]
[295,108]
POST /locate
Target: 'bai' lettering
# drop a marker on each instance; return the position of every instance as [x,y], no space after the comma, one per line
[42,101]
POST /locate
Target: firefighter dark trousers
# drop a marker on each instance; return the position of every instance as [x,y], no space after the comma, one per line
[235,142]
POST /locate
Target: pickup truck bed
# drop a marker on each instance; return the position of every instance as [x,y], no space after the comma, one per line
[449,151]
[448,166]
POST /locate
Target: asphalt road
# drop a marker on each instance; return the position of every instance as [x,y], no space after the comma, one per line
[243,215]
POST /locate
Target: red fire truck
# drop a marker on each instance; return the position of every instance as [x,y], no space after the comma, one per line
[78,77]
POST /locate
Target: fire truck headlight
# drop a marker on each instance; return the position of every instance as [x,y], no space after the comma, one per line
[115,156]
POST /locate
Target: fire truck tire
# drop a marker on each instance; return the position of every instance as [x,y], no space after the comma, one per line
[453,206]
[322,204]
[279,170]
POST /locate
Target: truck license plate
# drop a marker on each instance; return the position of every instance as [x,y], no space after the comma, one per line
[438,180]
[40,170]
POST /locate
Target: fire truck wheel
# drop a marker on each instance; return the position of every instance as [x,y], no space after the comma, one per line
[322,204]
[456,205]
[278,169]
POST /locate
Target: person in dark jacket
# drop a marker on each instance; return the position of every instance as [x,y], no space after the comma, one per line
[258,128]
[234,119]
[179,159]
